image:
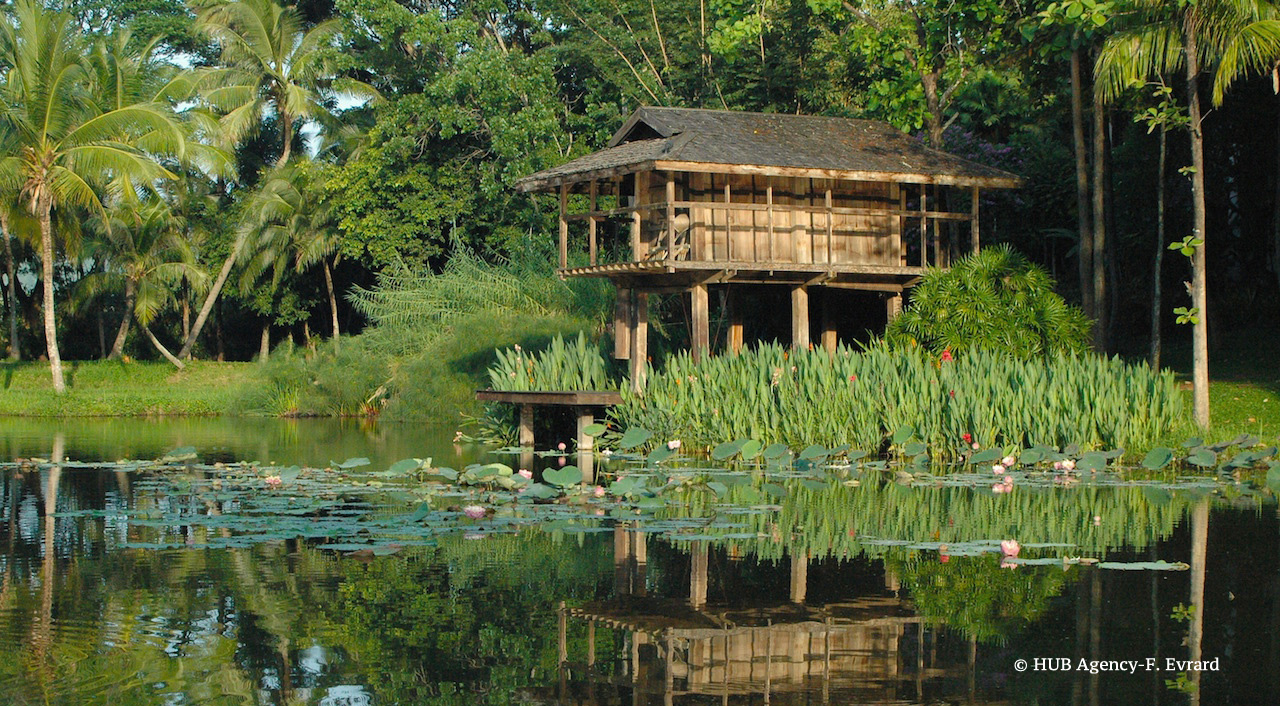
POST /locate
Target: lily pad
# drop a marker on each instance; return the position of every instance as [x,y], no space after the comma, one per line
[727,450]
[562,477]
[750,449]
[634,437]
[350,463]
[1157,458]
[1203,458]
[902,433]
[594,429]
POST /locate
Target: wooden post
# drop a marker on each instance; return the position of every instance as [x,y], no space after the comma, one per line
[563,643]
[622,325]
[586,444]
[924,225]
[799,577]
[671,216]
[830,227]
[769,218]
[564,226]
[640,556]
[591,225]
[829,339]
[973,222]
[637,214]
[700,336]
[591,643]
[526,425]
[902,225]
[892,307]
[800,317]
[735,321]
[639,339]
[728,221]
[698,574]
[622,560]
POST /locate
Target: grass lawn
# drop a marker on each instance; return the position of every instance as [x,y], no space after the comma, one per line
[1244,384]
[114,388]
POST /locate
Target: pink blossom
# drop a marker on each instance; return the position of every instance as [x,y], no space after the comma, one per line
[976,446]
[1069,465]
[946,355]
[561,460]
[561,446]
[1010,547]
[273,481]
[525,473]
[999,488]
[1057,465]
[599,491]
[673,444]
[998,469]
[1097,520]
[1008,565]
[1009,460]
[475,512]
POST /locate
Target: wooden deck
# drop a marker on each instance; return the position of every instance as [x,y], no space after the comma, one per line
[583,402]
[680,275]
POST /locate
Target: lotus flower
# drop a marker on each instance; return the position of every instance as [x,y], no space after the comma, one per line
[673,444]
[525,473]
[976,446]
[998,469]
[561,460]
[599,491]
[999,488]
[475,512]
[561,446]
[1097,520]
[606,453]
[1008,565]
[273,481]
[1010,547]
[1069,465]
[1009,460]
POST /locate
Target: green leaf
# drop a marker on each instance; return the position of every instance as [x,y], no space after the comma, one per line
[914,448]
[904,432]
[1157,458]
[562,477]
[407,465]
[182,453]
[351,463]
[1273,476]
[727,450]
[1156,496]
[660,454]
[774,451]
[594,429]
[986,456]
[751,449]
[1203,458]
[814,452]
[633,438]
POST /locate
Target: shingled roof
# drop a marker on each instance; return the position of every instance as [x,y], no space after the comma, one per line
[724,141]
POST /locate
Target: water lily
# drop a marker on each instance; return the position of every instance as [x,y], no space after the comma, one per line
[1009,460]
[561,460]
[673,444]
[273,481]
[474,535]
[976,446]
[998,469]
[562,446]
[599,491]
[1008,565]
[1069,465]
[1010,547]
[525,473]
[475,512]
[999,488]
[606,453]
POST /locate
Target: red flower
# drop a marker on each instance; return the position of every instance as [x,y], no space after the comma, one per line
[946,355]
[853,378]
[952,393]
[968,438]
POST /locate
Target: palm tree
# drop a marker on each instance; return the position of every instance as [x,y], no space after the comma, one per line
[271,67]
[293,227]
[144,255]
[58,146]
[1165,37]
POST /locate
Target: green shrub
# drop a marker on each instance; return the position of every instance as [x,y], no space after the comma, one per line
[995,300]
[862,398]
[332,381]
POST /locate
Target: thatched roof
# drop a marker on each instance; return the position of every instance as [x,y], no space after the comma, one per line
[723,141]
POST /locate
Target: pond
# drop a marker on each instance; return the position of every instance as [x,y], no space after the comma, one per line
[205,581]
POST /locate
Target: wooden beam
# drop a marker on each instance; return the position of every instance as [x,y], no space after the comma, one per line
[769,219]
[564,398]
[799,577]
[639,339]
[800,317]
[973,221]
[924,227]
[830,226]
[803,208]
[564,227]
[728,220]
[622,324]
[735,320]
[700,335]
[636,215]
[591,226]
[1009,182]
[698,574]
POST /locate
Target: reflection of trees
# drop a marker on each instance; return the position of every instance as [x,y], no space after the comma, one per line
[974,595]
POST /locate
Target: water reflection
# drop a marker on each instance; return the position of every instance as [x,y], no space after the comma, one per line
[869,594]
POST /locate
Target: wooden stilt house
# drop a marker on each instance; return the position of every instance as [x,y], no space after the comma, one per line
[710,198]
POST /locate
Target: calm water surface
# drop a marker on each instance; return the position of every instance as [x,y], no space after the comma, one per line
[128,585]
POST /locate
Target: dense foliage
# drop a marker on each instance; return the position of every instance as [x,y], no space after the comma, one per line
[863,398]
[995,300]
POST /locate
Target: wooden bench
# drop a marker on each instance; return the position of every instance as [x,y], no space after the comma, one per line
[583,403]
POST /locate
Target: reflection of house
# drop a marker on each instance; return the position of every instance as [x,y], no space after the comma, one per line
[717,198]
[869,648]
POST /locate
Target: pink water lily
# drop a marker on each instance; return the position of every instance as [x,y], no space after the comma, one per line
[475,512]
[1097,520]
[1009,460]
[999,488]
[273,481]
[673,444]
[525,473]
[998,469]
[1010,547]
[562,446]
[598,491]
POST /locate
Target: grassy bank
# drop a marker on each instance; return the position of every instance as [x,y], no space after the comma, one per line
[1244,389]
[117,389]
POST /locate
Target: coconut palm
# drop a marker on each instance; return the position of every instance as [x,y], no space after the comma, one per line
[58,145]
[292,227]
[1163,38]
[145,256]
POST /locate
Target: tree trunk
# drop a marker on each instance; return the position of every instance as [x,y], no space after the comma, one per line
[286,133]
[1156,304]
[45,209]
[209,300]
[160,347]
[264,350]
[1098,247]
[1084,248]
[1199,293]
[130,296]
[333,303]
[186,315]
[1275,214]
[15,349]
